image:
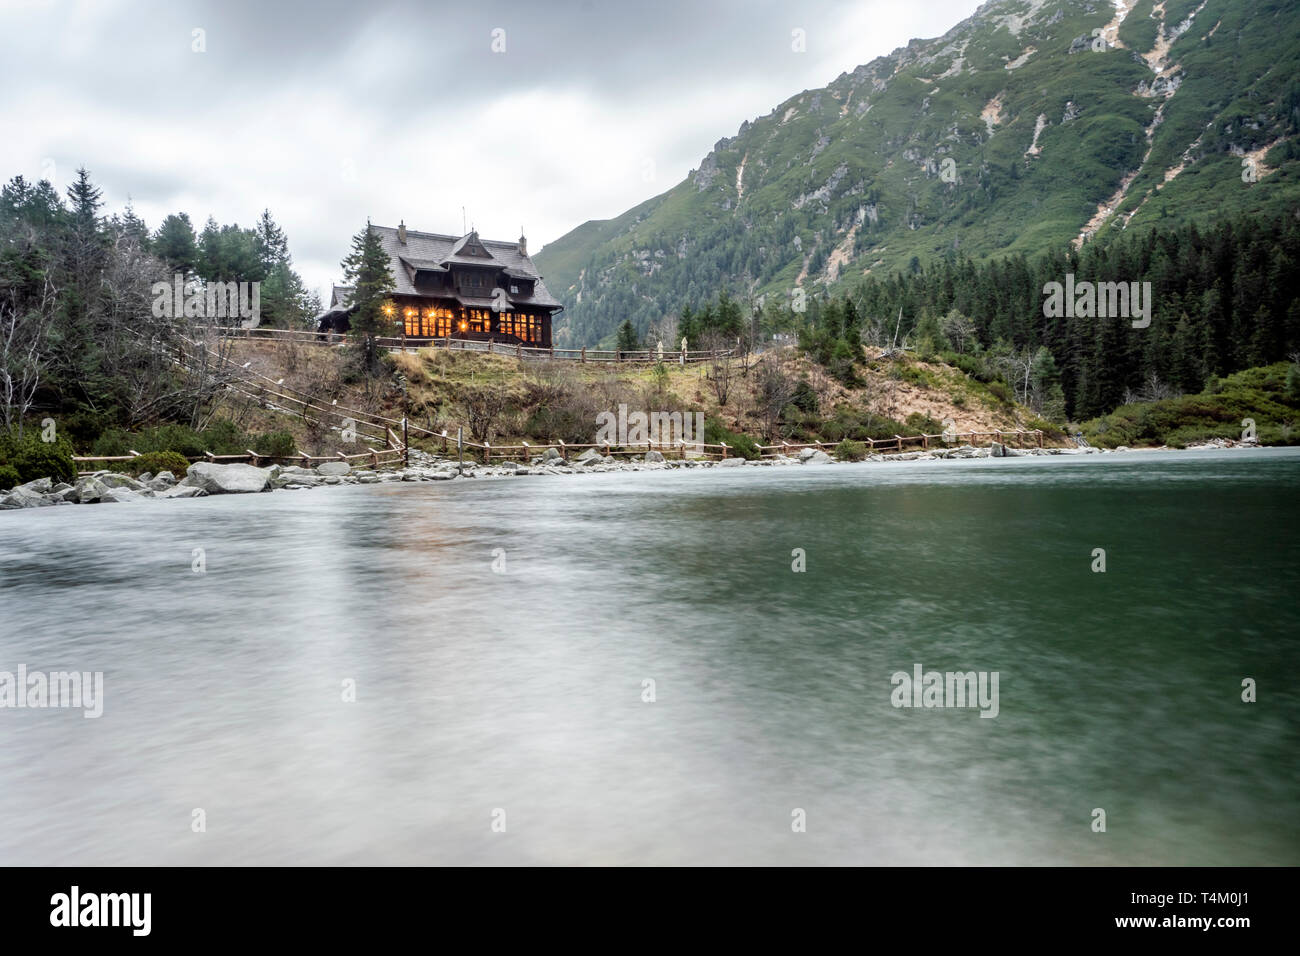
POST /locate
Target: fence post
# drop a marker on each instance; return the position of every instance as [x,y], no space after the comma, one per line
[900,442]
[925,440]
[487,452]
[527,459]
[253,457]
[1040,437]
[406,446]
[584,355]
[444,439]
[564,452]
[724,449]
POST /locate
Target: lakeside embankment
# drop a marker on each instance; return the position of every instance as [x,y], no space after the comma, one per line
[205,478]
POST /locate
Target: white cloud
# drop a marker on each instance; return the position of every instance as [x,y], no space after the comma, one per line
[406,114]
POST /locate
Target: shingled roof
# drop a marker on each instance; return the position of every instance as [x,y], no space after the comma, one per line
[431,252]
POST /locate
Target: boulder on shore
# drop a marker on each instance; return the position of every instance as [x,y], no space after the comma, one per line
[227,479]
[335,469]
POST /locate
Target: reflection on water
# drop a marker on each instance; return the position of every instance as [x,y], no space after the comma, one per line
[523,690]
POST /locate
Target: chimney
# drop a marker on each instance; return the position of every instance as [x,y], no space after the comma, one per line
[523,244]
[401,232]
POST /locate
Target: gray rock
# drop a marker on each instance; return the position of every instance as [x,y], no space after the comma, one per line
[227,479]
[112,495]
[41,486]
[182,491]
[87,491]
[333,468]
[588,456]
[1122,448]
[997,450]
[731,463]
[144,477]
[806,453]
[24,497]
[818,457]
[654,456]
[551,455]
[114,480]
[332,480]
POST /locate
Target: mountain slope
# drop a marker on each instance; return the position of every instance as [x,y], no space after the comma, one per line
[1017,129]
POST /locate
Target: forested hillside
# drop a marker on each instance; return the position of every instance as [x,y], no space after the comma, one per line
[1031,125]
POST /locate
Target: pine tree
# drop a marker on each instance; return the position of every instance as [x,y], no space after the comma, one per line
[367,270]
[627,338]
[175,244]
[272,246]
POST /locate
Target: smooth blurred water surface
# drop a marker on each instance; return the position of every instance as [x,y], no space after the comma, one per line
[523,690]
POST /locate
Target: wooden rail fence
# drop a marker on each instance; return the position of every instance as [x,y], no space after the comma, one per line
[681,449]
[405,343]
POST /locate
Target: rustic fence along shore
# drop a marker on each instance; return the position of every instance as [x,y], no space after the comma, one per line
[403,343]
[396,452]
[394,434]
[525,452]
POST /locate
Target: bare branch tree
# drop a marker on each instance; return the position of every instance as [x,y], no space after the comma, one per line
[24,333]
[773,390]
[722,365]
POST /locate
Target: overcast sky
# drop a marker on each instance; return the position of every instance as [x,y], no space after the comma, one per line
[329,112]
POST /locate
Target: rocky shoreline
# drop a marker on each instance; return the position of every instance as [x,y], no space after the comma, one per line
[207,478]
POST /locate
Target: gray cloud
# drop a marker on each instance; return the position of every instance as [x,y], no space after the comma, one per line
[329,112]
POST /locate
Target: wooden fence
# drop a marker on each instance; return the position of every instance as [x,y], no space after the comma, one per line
[375,457]
[525,452]
[396,452]
[409,343]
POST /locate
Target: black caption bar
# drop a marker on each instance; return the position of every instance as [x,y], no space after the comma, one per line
[333,906]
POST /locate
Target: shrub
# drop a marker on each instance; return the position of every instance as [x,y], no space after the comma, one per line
[1050,431]
[1001,391]
[154,462]
[8,477]
[737,444]
[224,438]
[276,445]
[850,450]
[805,398]
[33,458]
[115,441]
[921,424]
[177,438]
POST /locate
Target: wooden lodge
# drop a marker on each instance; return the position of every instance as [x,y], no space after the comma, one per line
[460,288]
